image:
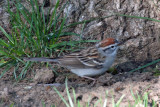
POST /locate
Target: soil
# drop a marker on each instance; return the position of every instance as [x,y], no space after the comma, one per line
[34,92]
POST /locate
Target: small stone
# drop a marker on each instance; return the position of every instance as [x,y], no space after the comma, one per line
[28,87]
[44,76]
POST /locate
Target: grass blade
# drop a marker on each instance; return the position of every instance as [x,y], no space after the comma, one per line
[6,63]
[86,21]
[61,97]
[68,94]
[74,95]
[3,43]
[24,70]
[138,17]
[149,64]
[8,67]
[8,36]
[119,101]
[105,101]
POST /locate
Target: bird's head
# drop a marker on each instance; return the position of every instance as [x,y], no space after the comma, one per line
[108,47]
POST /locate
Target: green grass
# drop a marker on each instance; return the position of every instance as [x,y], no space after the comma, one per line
[147,65]
[33,34]
[138,100]
[142,100]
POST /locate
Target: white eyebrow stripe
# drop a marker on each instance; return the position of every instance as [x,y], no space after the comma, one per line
[106,48]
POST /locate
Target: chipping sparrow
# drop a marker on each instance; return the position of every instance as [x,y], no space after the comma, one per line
[89,62]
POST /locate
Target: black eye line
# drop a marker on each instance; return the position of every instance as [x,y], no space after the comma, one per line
[112,46]
[108,48]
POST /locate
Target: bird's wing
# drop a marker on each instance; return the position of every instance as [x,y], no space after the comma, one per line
[86,58]
[70,61]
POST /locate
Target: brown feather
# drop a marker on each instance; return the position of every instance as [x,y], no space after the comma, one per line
[85,58]
[107,42]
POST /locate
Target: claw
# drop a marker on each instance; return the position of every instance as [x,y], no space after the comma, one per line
[94,80]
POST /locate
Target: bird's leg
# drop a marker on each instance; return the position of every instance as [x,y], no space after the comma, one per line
[94,80]
[89,78]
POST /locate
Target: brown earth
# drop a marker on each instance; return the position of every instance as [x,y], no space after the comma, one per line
[34,92]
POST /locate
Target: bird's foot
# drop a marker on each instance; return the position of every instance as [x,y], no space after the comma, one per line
[94,80]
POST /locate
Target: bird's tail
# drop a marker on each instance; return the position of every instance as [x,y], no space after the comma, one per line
[41,59]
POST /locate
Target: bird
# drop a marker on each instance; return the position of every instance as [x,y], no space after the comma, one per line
[89,62]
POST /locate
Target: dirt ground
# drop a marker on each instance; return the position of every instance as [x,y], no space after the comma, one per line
[33,91]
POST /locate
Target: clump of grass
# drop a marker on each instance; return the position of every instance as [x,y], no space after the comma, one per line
[34,34]
[142,101]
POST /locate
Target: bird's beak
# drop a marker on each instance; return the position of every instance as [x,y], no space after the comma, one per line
[120,43]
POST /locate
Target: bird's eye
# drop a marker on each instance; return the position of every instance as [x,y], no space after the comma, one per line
[112,46]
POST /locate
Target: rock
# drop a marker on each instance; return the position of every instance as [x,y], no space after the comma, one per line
[44,75]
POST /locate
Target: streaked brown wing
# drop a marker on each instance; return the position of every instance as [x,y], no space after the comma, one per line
[86,58]
[91,57]
[71,62]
